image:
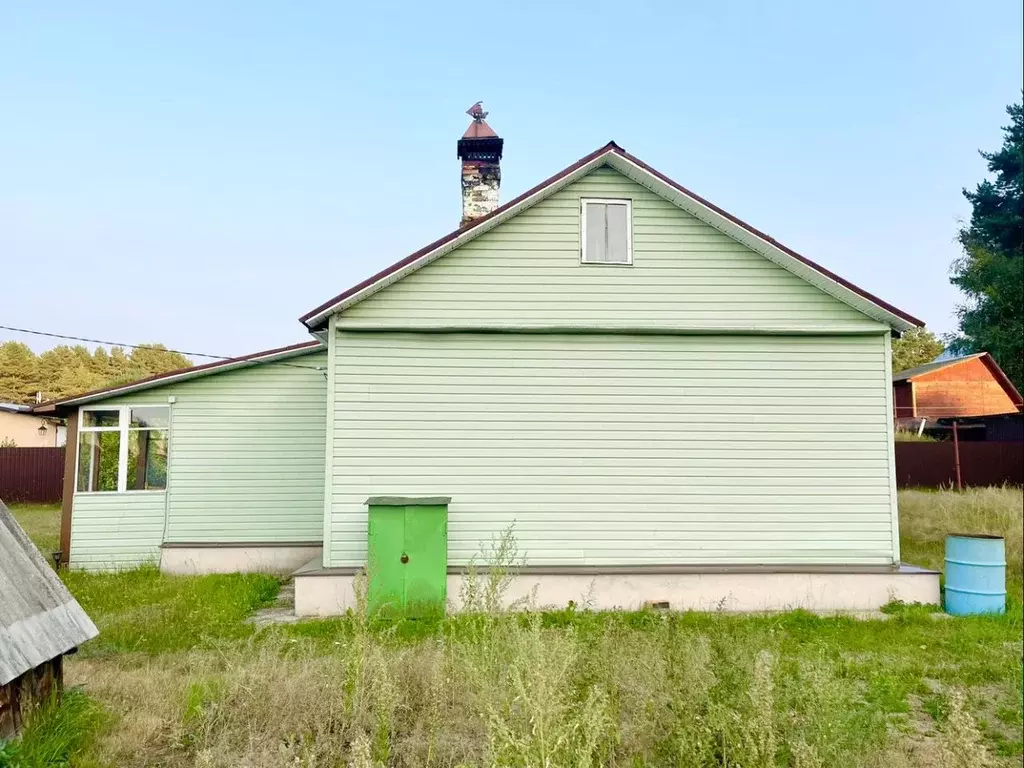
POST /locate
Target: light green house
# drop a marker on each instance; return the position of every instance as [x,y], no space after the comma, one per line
[661,402]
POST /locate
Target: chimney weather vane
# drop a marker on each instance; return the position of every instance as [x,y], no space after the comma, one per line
[477,111]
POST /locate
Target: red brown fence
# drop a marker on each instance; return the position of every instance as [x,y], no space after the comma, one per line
[31,475]
[931,465]
[37,474]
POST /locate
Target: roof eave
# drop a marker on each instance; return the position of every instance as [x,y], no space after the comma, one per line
[808,270]
[317,318]
[62,406]
[1003,379]
[767,246]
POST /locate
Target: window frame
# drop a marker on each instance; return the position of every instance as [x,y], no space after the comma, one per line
[123,428]
[584,201]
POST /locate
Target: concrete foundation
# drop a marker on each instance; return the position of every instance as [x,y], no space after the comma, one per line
[190,559]
[328,592]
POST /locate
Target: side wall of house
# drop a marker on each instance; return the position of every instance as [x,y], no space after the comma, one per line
[246,465]
[621,449]
[21,430]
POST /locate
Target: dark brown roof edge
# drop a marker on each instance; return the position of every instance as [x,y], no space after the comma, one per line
[767,238]
[611,146]
[51,405]
[1003,379]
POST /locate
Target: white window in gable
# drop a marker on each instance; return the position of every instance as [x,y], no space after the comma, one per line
[606,229]
[122,449]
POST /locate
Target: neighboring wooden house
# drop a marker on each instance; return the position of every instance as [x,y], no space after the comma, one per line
[962,386]
[641,385]
[39,622]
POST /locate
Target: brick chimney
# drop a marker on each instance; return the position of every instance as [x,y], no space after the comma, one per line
[480,153]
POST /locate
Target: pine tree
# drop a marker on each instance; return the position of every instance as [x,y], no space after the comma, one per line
[991,271]
[66,370]
[18,376]
[156,358]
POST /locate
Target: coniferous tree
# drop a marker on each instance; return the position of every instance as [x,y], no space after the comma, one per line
[17,373]
[69,370]
[991,271]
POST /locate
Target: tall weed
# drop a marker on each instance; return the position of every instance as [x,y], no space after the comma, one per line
[55,733]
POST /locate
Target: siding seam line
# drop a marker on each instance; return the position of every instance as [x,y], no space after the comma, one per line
[891,448]
[329,414]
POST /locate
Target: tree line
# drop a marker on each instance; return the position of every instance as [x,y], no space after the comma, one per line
[990,273]
[66,370]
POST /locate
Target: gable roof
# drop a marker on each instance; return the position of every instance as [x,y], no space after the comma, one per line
[616,157]
[997,373]
[935,365]
[39,619]
[183,374]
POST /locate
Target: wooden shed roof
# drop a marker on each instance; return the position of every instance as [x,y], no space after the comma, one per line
[39,619]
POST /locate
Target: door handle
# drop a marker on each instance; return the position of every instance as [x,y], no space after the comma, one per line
[404,558]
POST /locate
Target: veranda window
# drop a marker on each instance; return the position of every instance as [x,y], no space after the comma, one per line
[123,449]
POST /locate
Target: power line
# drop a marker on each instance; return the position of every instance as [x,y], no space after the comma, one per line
[67,337]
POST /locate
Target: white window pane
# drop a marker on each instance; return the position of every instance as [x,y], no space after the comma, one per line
[594,249]
[147,460]
[153,416]
[618,234]
[97,461]
[111,418]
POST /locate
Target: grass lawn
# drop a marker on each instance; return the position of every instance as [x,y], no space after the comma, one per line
[42,524]
[177,678]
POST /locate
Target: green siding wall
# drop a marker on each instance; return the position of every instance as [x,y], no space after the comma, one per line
[527,271]
[116,530]
[620,449]
[246,465]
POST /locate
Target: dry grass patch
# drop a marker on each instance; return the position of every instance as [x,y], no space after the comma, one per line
[513,691]
[188,683]
[927,517]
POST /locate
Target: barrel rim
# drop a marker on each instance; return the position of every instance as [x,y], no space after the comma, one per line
[974,536]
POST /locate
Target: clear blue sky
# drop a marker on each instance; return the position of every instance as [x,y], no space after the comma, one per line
[202,173]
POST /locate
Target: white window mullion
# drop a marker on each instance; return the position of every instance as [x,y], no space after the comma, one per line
[606,231]
[122,451]
[155,423]
[92,463]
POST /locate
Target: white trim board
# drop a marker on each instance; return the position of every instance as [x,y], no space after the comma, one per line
[584,202]
[614,158]
[190,373]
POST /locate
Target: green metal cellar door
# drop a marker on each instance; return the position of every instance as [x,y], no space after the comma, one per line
[408,554]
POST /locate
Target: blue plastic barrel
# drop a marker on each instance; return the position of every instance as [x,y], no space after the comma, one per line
[975,574]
